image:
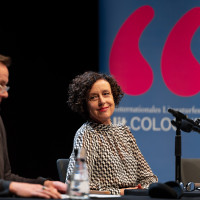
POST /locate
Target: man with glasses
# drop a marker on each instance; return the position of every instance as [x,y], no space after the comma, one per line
[11,183]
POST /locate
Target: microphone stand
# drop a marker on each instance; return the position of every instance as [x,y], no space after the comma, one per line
[178,152]
[183,123]
[179,116]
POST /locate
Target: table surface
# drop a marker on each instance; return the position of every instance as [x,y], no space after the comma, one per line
[125,197]
[119,198]
[135,195]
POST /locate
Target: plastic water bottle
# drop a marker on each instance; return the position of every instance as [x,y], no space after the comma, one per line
[79,186]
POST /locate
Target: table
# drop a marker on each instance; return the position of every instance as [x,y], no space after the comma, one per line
[130,195]
[125,197]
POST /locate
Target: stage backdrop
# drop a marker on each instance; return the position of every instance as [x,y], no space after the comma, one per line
[152,48]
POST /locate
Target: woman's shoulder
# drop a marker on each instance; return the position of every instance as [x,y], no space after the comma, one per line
[121,126]
[78,138]
[82,128]
[85,127]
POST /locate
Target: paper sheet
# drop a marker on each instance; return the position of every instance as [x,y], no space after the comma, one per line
[65,196]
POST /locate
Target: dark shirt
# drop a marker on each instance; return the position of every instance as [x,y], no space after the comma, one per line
[6,176]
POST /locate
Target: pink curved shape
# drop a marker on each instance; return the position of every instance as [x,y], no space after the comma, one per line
[126,63]
[180,69]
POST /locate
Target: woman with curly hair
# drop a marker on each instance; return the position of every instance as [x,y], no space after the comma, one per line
[113,158]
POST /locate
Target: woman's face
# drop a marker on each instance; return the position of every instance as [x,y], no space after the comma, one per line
[100,103]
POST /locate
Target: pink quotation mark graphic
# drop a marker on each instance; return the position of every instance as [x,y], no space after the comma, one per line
[180,69]
[126,62]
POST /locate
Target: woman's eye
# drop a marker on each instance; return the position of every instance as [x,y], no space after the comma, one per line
[106,93]
[92,98]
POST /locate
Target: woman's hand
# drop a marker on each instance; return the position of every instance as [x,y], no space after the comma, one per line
[136,187]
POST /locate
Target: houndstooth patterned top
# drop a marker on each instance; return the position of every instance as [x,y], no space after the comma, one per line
[113,158]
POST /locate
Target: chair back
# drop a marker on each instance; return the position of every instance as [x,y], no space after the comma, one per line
[190,170]
[62,165]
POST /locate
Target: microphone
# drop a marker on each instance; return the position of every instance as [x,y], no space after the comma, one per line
[184,123]
[177,114]
[196,129]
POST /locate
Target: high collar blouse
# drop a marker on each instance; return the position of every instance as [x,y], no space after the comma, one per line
[113,158]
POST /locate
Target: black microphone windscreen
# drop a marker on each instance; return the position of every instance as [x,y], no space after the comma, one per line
[186,126]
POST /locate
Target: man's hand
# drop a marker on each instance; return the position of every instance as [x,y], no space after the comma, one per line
[61,187]
[33,190]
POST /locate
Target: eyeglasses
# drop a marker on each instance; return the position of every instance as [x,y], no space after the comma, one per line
[189,187]
[4,88]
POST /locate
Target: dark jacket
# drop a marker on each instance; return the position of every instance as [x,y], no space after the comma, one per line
[6,176]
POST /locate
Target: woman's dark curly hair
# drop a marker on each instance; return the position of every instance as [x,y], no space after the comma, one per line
[81,85]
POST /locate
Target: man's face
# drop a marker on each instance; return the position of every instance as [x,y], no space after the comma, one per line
[4,74]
